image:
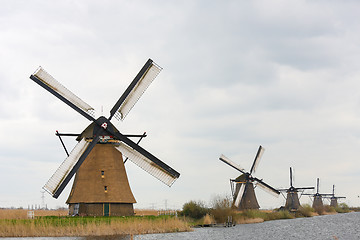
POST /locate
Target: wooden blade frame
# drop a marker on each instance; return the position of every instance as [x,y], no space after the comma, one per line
[134,91]
[50,84]
[145,153]
[68,168]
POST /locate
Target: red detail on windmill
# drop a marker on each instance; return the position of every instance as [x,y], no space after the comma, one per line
[104,125]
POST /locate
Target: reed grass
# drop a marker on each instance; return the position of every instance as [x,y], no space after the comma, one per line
[54,226]
[146,212]
[305,211]
[22,213]
[265,215]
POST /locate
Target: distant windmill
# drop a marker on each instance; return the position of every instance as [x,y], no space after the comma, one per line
[292,198]
[333,198]
[243,191]
[101,186]
[318,204]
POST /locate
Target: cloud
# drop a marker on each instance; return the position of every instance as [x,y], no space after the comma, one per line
[236,75]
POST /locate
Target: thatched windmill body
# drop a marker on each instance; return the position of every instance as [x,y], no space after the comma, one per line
[101,185]
[318,204]
[243,186]
[292,197]
[333,198]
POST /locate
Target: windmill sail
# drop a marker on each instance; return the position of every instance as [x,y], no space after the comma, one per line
[135,90]
[147,165]
[259,154]
[231,163]
[45,80]
[63,171]
[267,187]
[239,194]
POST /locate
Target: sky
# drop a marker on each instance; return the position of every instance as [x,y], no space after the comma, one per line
[236,75]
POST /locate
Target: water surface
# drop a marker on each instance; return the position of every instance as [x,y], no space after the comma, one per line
[338,226]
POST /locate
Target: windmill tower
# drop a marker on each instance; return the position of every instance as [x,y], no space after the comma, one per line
[292,198]
[243,188]
[334,199]
[101,185]
[318,204]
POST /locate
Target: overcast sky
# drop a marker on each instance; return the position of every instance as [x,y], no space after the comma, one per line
[236,75]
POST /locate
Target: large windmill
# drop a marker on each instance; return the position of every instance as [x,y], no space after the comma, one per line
[101,185]
[243,188]
[318,204]
[333,198]
[292,198]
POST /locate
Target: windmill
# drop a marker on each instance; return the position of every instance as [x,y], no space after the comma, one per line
[101,185]
[333,199]
[292,198]
[318,204]
[242,187]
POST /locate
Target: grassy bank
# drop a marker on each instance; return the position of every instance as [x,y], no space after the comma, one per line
[306,210]
[53,226]
[221,211]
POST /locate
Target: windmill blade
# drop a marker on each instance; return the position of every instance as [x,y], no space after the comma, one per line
[317,185]
[232,188]
[231,163]
[156,170]
[258,156]
[308,194]
[49,83]
[141,157]
[240,194]
[135,90]
[305,188]
[291,178]
[267,187]
[58,181]
[61,173]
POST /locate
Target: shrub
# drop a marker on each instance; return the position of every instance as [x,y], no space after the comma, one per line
[329,208]
[195,210]
[342,208]
[306,210]
[253,213]
[221,209]
[267,216]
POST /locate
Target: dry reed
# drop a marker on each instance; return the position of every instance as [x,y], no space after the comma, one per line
[146,212]
[13,223]
[22,213]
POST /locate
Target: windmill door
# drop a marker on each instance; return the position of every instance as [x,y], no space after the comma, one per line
[106,209]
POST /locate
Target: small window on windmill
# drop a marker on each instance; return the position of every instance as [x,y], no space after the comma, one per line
[105,188]
[102,174]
